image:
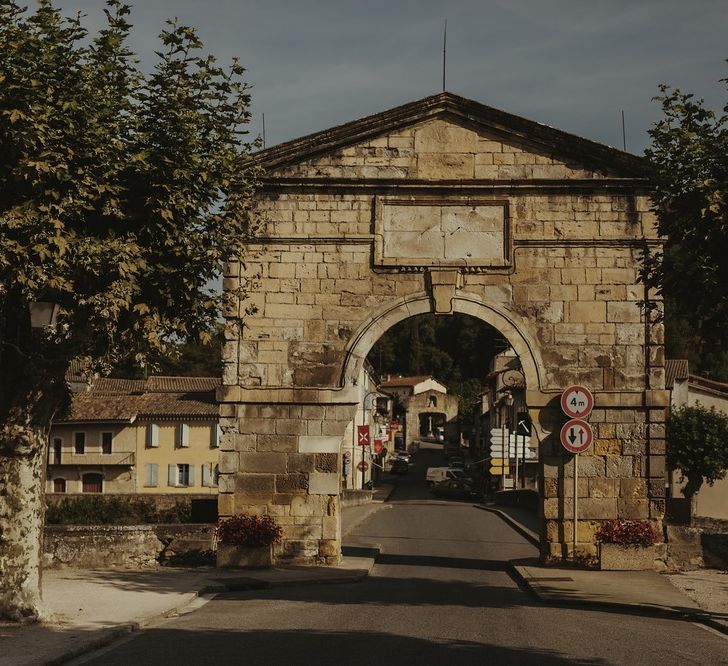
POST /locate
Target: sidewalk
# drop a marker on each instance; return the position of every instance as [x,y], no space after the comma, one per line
[696,595]
[90,609]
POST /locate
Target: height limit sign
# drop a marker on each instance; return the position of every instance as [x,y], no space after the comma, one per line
[577,402]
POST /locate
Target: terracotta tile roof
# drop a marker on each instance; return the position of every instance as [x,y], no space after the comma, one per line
[182,384]
[111,399]
[95,407]
[114,386]
[676,369]
[709,385]
[395,382]
[178,404]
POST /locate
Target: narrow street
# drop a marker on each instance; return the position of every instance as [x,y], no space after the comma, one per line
[439,594]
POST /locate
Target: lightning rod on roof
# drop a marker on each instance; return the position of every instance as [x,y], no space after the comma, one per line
[264,130]
[444,55]
[624,135]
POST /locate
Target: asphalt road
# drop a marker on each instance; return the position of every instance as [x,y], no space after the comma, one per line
[439,594]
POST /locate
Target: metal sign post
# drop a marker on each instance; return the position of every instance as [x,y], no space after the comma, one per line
[503,469]
[576,437]
[363,433]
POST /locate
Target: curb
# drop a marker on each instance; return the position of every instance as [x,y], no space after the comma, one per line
[107,638]
[512,522]
[631,608]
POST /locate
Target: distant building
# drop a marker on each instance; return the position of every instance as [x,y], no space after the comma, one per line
[156,435]
[688,389]
[431,413]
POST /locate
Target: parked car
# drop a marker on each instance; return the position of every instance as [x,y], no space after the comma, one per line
[399,466]
[403,455]
[437,474]
[455,488]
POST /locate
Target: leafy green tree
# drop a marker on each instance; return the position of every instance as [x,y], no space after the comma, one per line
[456,350]
[121,196]
[697,445]
[689,152]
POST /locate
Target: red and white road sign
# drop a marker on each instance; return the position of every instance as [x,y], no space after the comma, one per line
[362,465]
[577,402]
[363,432]
[576,436]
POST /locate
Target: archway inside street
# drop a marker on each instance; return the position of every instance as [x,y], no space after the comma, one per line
[466,368]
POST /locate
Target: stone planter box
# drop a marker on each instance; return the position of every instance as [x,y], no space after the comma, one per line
[613,557]
[244,557]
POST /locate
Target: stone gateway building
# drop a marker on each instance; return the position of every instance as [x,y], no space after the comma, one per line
[442,205]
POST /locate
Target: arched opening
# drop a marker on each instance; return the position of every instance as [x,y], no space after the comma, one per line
[448,382]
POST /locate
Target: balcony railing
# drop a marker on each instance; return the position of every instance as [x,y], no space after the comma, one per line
[95,458]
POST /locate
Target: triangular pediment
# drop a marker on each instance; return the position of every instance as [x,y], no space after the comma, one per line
[447,137]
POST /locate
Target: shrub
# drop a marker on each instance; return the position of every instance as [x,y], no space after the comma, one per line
[104,510]
[627,533]
[243,530]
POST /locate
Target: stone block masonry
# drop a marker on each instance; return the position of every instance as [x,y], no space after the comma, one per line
[441,206]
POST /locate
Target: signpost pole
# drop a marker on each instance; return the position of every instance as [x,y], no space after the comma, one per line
[503,458]
[576,499]
[523,478]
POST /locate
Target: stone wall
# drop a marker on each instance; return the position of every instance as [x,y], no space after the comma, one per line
[130,546]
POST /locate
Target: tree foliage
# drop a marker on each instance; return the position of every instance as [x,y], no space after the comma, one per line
[697,445]
[690,154]
[121,197]
[456,350]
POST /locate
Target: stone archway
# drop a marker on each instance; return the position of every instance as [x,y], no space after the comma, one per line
[442,205]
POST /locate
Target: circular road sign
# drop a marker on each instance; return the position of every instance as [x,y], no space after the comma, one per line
[577,402]
[362,466]
[576,436]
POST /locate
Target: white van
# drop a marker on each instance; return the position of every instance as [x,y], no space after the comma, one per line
[437,474]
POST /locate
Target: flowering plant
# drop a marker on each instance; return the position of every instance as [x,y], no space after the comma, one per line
[627,533]
[243,530]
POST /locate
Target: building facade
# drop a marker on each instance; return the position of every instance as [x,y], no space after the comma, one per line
[158,435]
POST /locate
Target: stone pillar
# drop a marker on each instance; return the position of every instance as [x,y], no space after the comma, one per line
[280,455]
[620,476]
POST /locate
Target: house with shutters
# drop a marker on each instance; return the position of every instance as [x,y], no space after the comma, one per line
[145,436]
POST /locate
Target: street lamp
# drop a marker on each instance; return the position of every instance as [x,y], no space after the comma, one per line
[509,403]
[42,314]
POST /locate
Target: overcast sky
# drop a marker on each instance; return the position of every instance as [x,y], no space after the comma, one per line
[571,64]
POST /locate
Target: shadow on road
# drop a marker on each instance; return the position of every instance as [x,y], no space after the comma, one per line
[323,648]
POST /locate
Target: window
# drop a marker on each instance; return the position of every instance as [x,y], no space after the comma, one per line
[57,448]
[59,485]
[79,443]
[215,436]
[152,439]
[183,435]
[106,440]
[151,475]
[181,475]
[209,475]
[93,483]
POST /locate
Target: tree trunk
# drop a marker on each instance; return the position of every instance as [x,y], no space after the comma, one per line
[22,514]
[692,486]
